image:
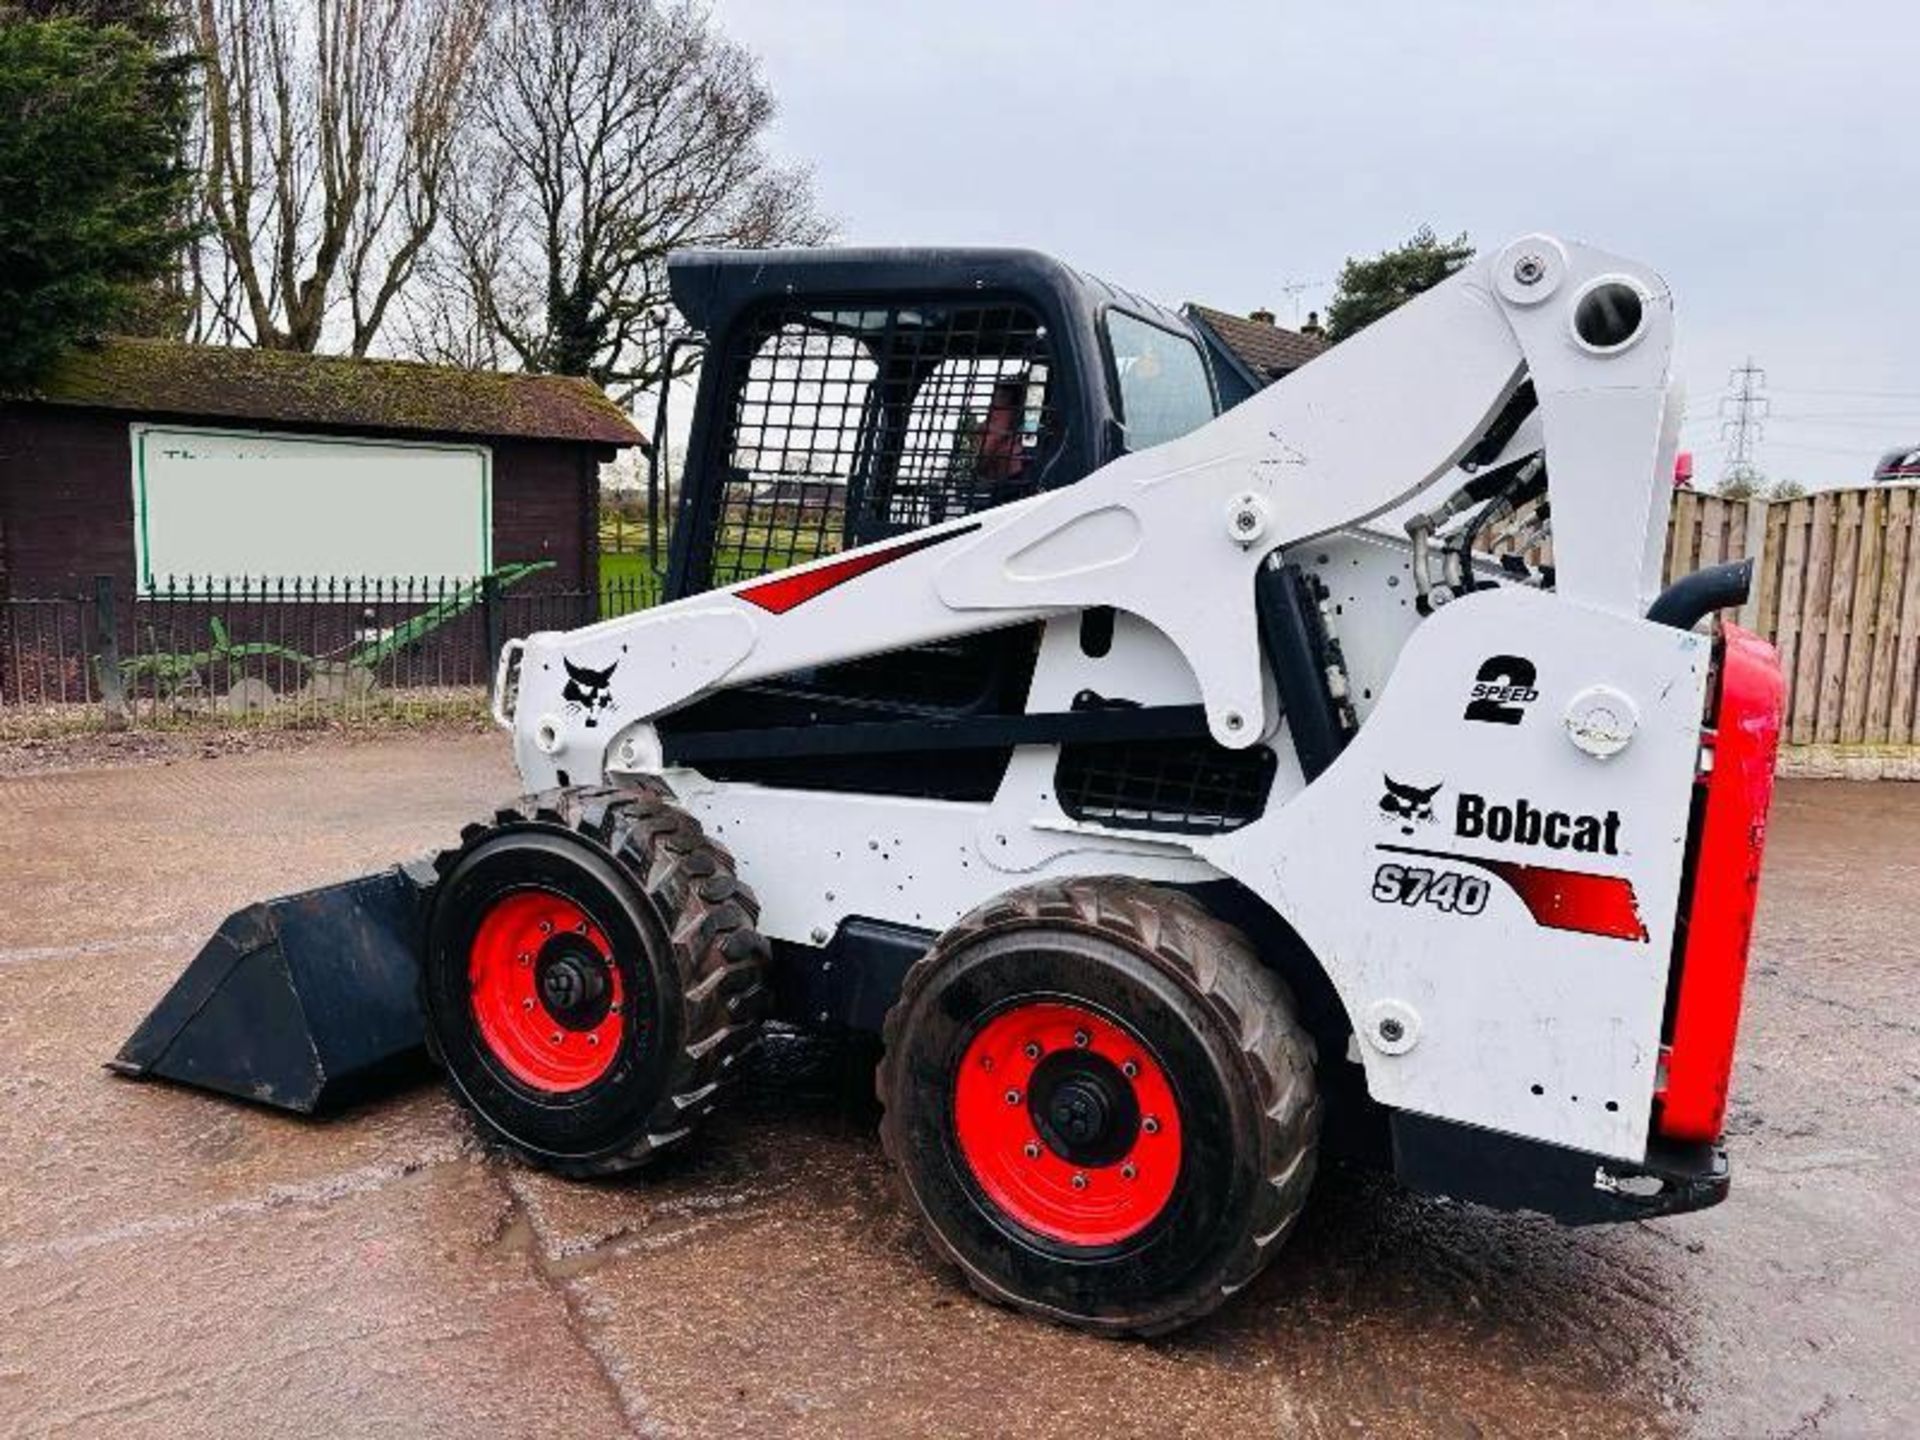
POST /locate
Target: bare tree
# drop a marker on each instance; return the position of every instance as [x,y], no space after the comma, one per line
[605,134]
[326,146]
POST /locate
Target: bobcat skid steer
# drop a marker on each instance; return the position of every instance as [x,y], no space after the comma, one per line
[1181,795]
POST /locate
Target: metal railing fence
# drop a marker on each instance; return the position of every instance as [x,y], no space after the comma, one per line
[324,648]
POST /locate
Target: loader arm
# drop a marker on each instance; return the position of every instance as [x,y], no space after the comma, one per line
[1175,534]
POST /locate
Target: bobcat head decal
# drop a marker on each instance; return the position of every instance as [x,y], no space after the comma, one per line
[589,690]
[1406,805]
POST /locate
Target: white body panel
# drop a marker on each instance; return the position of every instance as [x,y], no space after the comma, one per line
[1496,1003]
[1497,1018]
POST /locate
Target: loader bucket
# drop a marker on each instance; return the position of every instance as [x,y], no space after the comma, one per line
[305,1002]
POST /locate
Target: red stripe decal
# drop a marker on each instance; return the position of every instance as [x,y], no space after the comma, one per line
[1574,900]
[790,588]
[1560,899]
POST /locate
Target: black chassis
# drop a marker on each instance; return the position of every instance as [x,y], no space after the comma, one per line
[849,984]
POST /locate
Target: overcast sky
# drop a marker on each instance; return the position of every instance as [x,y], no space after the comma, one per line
[1764,156]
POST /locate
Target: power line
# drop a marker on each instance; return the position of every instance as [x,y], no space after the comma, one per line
[1850,450]
[1849,417]
[1857,394]
[1893,426]
[1744,412]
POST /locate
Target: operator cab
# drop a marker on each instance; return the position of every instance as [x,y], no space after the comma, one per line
[851,395]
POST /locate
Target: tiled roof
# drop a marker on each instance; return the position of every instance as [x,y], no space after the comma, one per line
[169,378]
[1267,350]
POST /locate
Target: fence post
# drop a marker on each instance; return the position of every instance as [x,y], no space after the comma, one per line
[113,680]
[1756,551]
[491,618]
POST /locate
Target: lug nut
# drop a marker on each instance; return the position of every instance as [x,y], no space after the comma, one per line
[582,927]
[527,1004]
[593,1040]
[1129,1068]
[526,959]
[1080,1039]
[546,927]
[1031,1050]
[1031,1149]
[1079,1181]
[556,1037]
[1128,1171]
[1391,1030]
[1151,1124]
[1013,1097]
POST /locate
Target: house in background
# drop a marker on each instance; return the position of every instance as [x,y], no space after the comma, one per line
[1250,352]
[152,461]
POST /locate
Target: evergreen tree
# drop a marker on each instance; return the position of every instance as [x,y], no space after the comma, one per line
[94,105]
[1369,289]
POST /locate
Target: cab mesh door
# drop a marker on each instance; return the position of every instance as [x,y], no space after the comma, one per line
[848,425]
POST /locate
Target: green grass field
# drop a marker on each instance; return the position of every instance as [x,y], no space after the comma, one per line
[743,550]
[622,568]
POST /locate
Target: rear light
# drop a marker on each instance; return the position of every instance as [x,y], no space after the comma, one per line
[1690,1101]
[506,683]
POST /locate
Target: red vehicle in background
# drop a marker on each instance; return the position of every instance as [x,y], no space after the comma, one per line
[1898,466]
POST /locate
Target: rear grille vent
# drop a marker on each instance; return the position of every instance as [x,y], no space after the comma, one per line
[1185,786]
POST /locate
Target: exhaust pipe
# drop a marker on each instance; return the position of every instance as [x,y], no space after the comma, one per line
[1691,598]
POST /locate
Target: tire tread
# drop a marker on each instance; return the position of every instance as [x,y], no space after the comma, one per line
[1216,961]
[709,916]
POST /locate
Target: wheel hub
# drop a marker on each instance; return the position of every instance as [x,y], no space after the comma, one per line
[1083,1108]
[575,982]
[1068,1123]
[545,994]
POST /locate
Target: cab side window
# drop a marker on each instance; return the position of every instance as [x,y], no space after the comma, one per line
[1164,388]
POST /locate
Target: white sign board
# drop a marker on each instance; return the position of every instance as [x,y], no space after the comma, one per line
[228,505]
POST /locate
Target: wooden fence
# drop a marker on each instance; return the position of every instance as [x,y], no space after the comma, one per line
[1837,590]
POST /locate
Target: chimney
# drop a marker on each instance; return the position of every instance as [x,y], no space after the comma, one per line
[1260,317]
[1313,326]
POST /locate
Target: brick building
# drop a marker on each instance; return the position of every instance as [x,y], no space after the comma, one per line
[149,460]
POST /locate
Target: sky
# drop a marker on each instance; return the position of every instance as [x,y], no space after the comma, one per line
[1764,157]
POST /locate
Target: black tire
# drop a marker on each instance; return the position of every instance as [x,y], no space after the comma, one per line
[680,929]
[1218,1025]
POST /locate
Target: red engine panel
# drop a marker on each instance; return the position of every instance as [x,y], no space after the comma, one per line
[1692,1105]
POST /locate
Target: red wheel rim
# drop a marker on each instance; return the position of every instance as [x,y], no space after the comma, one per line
[1024,1070]
[545,992]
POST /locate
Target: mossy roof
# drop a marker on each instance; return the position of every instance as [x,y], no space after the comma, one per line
[181,381]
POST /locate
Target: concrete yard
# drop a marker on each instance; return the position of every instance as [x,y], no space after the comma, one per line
[172,1264]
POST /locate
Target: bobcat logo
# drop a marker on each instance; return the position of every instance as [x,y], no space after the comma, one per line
[589,689]
[1406,805]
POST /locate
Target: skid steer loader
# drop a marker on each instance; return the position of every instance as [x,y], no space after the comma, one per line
[1183,796]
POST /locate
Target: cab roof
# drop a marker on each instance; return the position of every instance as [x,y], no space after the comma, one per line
[710,287]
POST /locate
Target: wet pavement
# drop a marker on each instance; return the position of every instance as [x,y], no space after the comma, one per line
[174,1264]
